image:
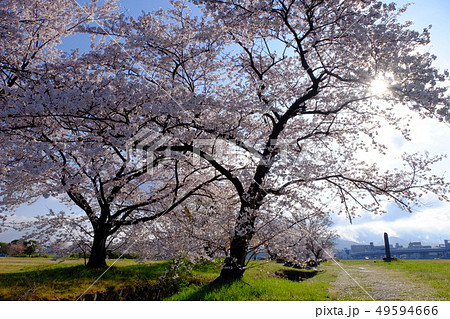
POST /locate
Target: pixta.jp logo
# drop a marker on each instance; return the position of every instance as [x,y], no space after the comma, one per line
[141,149]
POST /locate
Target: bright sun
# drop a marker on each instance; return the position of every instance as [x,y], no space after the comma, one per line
[378,87]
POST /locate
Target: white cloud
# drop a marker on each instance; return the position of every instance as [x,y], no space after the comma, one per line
[431,224]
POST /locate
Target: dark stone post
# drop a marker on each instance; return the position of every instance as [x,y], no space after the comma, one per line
[387,248]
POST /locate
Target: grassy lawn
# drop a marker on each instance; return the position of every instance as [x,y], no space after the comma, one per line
[435,273]
[44,279]
[260,282]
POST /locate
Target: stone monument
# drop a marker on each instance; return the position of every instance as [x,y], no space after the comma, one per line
[387,248]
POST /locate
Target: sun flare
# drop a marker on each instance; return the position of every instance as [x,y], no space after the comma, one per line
[378,87]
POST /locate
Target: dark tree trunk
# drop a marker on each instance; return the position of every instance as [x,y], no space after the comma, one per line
[317,254]
[234,265]
[97,258]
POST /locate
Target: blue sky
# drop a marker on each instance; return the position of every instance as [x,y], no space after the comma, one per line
[430,223]
[435,12]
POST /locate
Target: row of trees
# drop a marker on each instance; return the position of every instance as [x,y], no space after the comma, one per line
[19,247]
[240,124]
[197,230]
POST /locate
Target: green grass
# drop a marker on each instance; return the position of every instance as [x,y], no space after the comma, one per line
[256,289]
[435,273]
[259,283]
[43,279]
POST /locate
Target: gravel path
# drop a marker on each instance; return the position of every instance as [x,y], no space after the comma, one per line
[372,282]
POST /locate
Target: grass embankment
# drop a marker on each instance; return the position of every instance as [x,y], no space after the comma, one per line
[43,279]
[435,273]
[260,282]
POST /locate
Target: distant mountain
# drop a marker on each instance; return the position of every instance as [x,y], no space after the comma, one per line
[342,243]
[392,241]
[367,238]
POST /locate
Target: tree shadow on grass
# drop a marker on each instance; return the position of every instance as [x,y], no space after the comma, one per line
[212,291]
[68,282]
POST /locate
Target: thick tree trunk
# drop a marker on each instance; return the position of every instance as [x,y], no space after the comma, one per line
[97,258]
[234,266]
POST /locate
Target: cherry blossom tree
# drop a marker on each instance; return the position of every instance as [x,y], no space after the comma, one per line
[31,30]
[199,229]
[294,87]
[72,123]
[319,237]
[58,233]
[282,99]
[64,235]
[16,247]
[293,234]
[74,145]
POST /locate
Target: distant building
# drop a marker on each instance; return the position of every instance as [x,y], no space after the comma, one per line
[415,250]
[415,244]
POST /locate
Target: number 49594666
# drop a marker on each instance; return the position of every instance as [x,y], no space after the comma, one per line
[405,310]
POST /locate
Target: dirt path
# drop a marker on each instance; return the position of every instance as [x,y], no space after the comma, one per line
[366,282]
